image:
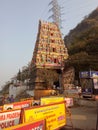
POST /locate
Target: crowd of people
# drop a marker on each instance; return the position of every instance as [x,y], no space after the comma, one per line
[9,99]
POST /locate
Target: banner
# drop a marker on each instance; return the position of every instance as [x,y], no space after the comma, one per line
[9,118]
[51,100]
[54,114]
[18,105]
[37,125]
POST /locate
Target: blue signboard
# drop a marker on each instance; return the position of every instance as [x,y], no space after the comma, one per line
[88,74]
[84,74]
[94,74]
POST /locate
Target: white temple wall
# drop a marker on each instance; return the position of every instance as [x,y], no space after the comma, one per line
[13,90]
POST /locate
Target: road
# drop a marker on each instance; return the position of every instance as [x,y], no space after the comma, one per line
[84,116]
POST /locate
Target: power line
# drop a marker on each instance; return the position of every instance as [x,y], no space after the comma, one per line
[44,13]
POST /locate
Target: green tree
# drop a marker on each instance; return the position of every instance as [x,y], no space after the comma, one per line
[19,75]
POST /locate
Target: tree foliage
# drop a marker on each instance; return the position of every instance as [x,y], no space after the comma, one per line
[22,75]
[87,41]
[83,52]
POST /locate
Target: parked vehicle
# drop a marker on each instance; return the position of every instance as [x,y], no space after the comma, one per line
[89,83]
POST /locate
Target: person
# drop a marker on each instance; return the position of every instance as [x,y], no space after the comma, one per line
[3,100]
[11,99]
[8,99]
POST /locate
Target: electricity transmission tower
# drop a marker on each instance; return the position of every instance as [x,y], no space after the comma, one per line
[56,13]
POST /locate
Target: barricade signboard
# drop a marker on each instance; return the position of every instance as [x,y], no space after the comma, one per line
[25,99]
[69,102]
[54,114]
[18,105]
[9,118]
[1,108]
[37,125]
[51,99]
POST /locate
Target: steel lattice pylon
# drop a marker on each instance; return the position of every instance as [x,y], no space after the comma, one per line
[56,10]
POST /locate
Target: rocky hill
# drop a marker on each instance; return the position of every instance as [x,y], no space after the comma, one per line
[89,22]
[82,44]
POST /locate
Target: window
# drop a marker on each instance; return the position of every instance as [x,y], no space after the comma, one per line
[54,49]
[53,41]
[55,60]
[51,34]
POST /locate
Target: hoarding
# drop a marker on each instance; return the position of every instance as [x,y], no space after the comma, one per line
[54,114]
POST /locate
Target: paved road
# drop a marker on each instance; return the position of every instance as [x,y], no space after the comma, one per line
[85,116]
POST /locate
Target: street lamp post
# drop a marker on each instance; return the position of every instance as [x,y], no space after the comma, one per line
[97,116]
[61,79]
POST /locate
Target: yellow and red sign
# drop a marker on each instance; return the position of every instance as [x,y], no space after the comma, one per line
[51,100]
[18,105]
[37,125]
[54,114]
[9,118]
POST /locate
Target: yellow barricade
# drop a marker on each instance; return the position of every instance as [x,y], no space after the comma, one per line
[51,99]
[54,114]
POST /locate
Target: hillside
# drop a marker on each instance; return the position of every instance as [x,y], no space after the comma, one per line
[89,22]
[82,44]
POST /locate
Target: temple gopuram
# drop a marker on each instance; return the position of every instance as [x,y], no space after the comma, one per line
[50,51]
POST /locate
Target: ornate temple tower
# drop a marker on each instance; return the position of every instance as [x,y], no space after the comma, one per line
[50,51]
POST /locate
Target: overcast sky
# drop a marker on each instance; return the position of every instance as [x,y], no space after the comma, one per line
[19,26]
